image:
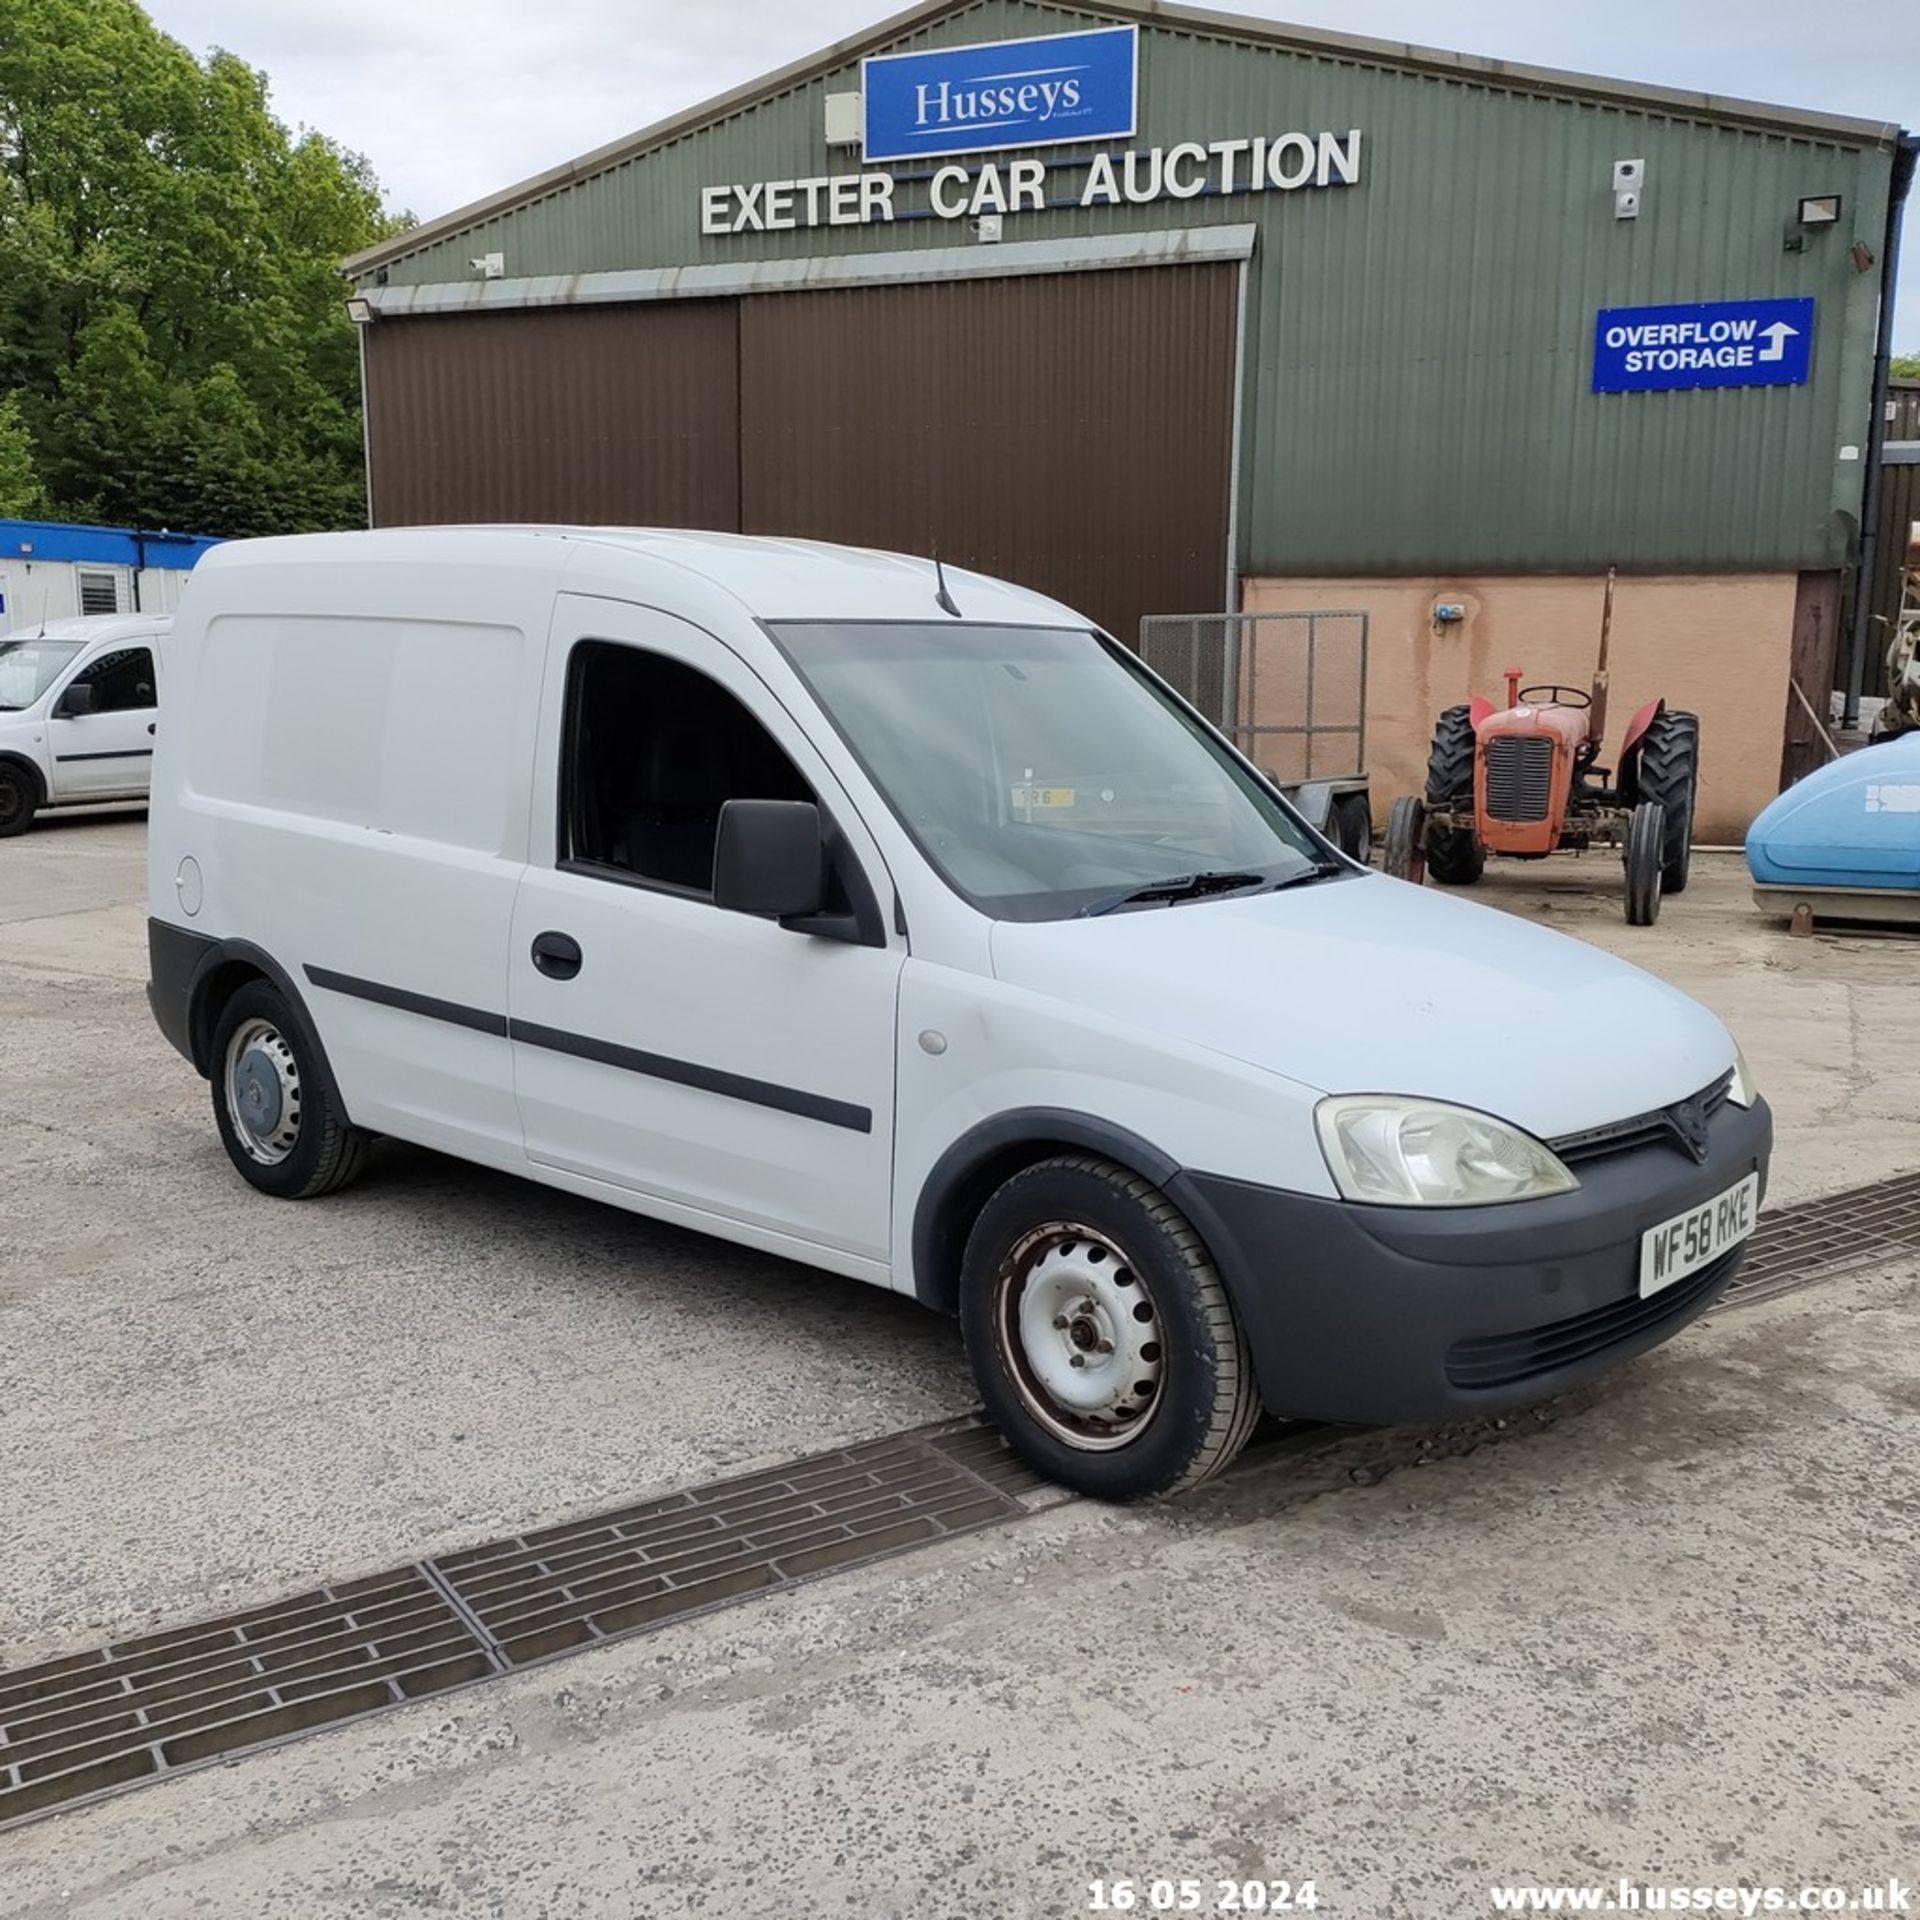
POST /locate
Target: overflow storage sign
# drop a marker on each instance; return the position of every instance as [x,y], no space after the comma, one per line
[1719,343]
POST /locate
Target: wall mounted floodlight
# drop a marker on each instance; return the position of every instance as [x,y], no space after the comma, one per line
[1629,183]
[360,311]
[1820,210]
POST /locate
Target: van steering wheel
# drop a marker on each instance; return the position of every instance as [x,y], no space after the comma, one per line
[1556,696]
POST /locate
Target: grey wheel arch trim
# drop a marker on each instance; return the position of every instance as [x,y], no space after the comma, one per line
[949,1197]
[198,1027]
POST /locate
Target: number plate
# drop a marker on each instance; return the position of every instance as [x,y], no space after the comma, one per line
[1694,1239]
[1043,796]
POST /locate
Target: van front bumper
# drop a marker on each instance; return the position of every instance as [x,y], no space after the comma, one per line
[1392,1315]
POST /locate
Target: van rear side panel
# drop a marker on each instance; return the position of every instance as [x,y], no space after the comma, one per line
[349,769]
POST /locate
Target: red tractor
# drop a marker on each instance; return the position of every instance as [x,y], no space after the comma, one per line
[1527,781]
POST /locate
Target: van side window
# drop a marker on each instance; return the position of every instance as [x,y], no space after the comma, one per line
[122,681]
[653,749]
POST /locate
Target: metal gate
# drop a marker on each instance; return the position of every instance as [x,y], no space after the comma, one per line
[1288,689]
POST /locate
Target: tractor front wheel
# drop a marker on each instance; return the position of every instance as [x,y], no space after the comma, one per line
[1668,772]
[1646,837]
[1454,854]
[1405,853]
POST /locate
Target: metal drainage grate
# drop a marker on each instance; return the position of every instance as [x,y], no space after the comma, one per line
[562,1587]
[1819,1238]
[77,1728]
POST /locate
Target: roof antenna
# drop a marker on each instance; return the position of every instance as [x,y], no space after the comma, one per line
[943,599]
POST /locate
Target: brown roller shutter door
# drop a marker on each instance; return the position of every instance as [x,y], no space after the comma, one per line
[625,416]
[1073,432]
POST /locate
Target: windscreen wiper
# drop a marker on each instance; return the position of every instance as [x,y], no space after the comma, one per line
[1184,886]
[1315,870]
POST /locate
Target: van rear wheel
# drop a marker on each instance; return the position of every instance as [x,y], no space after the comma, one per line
[1100,1335]
[278,1122]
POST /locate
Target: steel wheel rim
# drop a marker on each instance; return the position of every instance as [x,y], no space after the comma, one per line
[261,1081]
[13,798]
[1080,1337]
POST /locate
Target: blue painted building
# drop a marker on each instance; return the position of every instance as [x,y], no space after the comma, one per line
[49,570]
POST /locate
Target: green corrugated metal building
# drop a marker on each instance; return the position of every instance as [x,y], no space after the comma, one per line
[1339,348]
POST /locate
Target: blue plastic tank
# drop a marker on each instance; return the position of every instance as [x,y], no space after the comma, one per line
[1855,823]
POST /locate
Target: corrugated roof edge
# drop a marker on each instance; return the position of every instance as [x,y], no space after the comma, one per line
[1313,40]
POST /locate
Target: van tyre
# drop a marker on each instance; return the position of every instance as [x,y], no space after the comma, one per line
[19,798]
[1646,841]
[1100,1335]
[278,1121]
[1455,856]
[1669,771]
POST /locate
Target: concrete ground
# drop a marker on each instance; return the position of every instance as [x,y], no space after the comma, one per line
[1664,1628]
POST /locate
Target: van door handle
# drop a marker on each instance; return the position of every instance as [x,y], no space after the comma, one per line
[557,955]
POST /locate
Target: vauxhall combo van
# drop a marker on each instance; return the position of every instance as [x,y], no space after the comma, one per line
[901,922]
[79,709]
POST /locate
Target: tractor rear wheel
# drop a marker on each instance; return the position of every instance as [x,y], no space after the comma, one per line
[1454,854]
[1646,836]
[1405,853]
[1668,772]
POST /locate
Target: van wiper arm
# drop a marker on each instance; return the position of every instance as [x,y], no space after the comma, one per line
[1185,886]
[1316,870]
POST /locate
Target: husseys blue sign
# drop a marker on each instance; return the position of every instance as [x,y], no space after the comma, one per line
[1717,343]
[1006,93]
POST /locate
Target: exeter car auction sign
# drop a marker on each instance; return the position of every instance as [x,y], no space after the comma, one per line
[1717,343]
[1255,163]
[1006,93]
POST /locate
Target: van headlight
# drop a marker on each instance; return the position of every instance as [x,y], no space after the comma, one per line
[1740,1089]
[1399,1152]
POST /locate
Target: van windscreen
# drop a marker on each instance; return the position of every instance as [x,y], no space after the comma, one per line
[28,668]
[1043,772]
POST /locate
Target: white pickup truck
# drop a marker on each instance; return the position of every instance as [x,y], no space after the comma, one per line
[79,703]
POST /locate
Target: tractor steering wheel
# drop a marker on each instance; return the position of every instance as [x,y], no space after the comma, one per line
[1556,696]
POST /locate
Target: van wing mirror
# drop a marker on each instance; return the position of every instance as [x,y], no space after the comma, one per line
[770,859]
[75,702]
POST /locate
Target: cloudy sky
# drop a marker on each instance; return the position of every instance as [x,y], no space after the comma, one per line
[453,98]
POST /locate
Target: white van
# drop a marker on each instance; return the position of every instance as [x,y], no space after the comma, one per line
[79,704]
[905,925]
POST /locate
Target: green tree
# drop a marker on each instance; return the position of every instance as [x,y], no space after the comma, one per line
[171,315]
[22,497]
[1905,366]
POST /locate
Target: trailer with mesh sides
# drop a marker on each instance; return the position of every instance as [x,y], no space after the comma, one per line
[1290,691]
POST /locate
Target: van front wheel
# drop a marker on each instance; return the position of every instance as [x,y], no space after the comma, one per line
[277,1121]
[19,797]
[1100,1335]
